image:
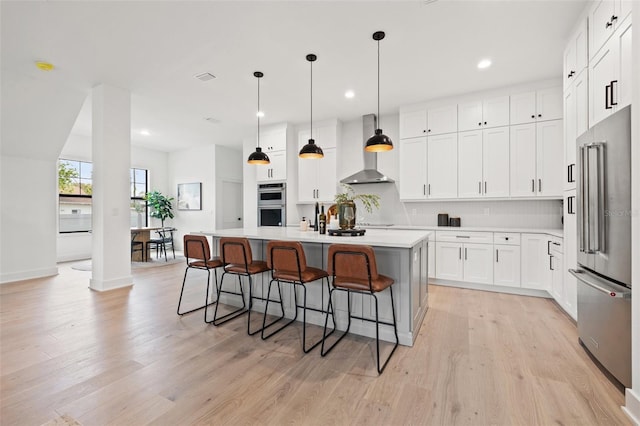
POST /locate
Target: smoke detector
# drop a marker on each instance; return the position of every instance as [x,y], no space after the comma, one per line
[205,76]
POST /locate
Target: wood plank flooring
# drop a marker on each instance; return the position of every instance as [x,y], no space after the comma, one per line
[73,356]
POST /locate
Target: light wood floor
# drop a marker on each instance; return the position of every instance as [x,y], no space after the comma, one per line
[125,357]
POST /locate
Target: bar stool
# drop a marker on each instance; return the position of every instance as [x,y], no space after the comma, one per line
[237,260]
[354,270]
[288,264]
[198,255]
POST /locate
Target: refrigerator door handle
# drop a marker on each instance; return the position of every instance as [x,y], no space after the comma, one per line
[596,217]
[583,204]
[599,285]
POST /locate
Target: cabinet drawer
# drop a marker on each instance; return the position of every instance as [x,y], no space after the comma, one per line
[465,237]
[555,245]
[509,238]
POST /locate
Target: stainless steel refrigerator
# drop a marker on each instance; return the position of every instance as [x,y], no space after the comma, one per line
[604,243]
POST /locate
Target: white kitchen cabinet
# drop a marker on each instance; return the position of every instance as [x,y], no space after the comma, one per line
[576,122]
[429,167]
[490,176]
[478,263]
[413,169]
[464,256]
[506,265]
[442,166]
[536,157]
[535,272]
[492,112]
[539,105]
[575,55]
[317,177]
[449,263]
[427,122]
[605,18]
[610,79]
[557,276]
[274,139]
[276,170]
[442,120]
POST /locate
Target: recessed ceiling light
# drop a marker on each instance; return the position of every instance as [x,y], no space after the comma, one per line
[485,63]
[349,94]
[260,114]
[44,66]
[144,132]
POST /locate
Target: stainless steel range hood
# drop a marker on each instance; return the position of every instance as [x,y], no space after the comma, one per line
[370,174]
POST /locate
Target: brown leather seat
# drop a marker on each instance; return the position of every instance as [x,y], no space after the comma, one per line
[354,269]
[288,264]
[236,256]
[198,255]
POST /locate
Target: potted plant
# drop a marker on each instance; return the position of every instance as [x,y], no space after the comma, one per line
[161,207]
[347,206]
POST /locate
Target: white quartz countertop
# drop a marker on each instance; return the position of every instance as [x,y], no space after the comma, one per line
[554,232]
[401,238]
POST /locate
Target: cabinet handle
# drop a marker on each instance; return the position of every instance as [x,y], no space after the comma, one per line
[424,189]
[429,189]
[429,131]
[497,256]
[533,116]
[611,97]
[460,253]
[614,18]
[539,185]
[463,236]
[570,177]
[480,123]
[465,253]
[485,186]
[608,24]
[485,123]
[548,247]
[571,208]
[533,185]
[551,263]
[479,187]
[539,115]
[424,131]
[606,97]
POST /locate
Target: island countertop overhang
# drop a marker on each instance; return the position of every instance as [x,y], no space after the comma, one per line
[373,237]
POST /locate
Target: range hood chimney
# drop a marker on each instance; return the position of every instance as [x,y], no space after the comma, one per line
[370,174]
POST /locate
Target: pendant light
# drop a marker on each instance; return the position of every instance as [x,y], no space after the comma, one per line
[258,157]
[379,141]
[311,150]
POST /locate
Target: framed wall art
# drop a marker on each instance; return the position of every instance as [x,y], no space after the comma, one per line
[190,196]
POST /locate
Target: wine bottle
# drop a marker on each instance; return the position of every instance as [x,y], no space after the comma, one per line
[315,218]
[323,220]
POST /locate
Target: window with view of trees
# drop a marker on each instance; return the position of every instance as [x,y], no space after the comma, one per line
[75,188]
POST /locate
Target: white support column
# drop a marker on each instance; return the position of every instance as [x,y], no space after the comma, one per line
[111,145]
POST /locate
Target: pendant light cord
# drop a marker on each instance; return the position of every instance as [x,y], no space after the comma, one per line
[258,113]
[311,90]
[379,127]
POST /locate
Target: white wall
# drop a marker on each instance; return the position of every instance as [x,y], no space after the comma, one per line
[28,224]
[78,147]
[189,166]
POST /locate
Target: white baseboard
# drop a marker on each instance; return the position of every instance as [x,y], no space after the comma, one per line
[28,275]
[493,288]
[106,285]
[632,407]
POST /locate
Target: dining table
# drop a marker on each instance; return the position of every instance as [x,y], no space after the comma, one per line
[143,235]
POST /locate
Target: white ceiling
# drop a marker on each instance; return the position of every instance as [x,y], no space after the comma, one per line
[154,49]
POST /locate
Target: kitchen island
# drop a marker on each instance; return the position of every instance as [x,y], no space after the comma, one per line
[400,254]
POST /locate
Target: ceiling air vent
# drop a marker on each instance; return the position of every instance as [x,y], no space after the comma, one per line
[205,76]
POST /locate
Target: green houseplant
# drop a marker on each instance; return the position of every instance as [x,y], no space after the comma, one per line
[347,207]
[161,207]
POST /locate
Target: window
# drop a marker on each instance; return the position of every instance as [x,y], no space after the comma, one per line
[75,188]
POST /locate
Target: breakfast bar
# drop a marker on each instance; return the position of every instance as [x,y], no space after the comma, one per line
[400,254]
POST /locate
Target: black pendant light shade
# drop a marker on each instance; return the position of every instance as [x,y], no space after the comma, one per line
[311,150]
[258,157]
[379,141]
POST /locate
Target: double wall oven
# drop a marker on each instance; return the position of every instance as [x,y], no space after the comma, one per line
[272,204]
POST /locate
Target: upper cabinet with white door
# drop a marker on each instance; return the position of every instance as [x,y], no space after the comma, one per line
[540,105]
[605,17]
[483,163]
[610,76]
[576,54]
[484,114]
[536,153]
[427,122]
[317,177]
[576,122]
[273,141]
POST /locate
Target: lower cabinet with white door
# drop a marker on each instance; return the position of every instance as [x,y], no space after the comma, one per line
[506,266]
[465,256]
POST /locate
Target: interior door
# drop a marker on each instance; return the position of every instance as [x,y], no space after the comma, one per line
[232,205]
